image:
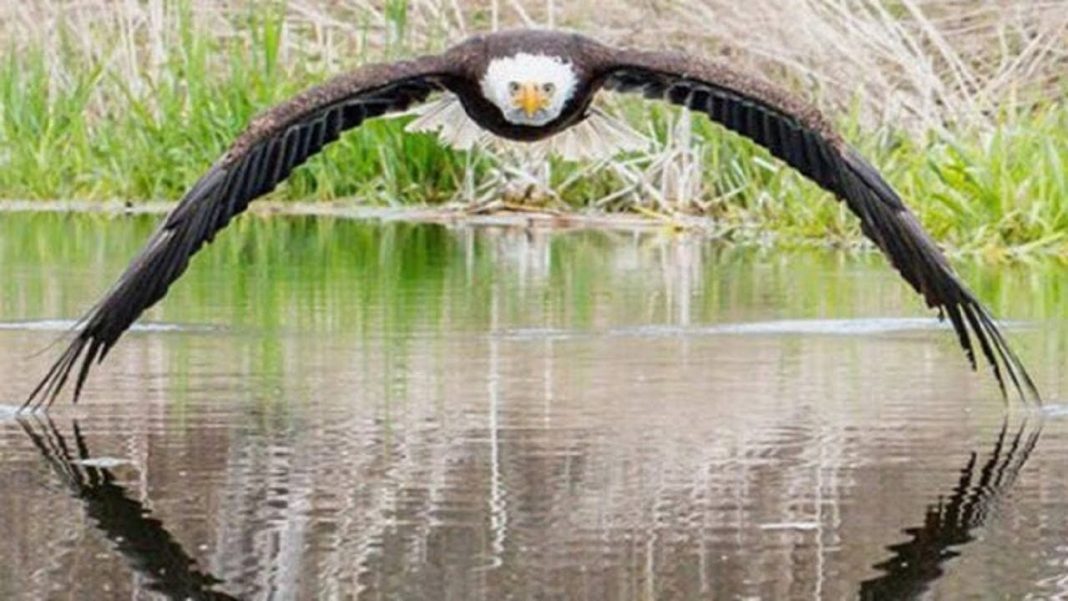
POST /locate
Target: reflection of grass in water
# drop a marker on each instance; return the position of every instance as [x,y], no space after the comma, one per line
[324,273]
[267,278]
[402,288]
[146,131]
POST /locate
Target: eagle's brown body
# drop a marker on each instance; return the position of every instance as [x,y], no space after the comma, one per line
[287,135]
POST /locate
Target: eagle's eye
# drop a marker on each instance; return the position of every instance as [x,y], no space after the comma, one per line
[548,88]
[513,87]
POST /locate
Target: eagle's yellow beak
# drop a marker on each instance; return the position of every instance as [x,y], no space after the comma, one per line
[530,97]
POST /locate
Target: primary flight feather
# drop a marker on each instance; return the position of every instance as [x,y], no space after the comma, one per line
[527,86]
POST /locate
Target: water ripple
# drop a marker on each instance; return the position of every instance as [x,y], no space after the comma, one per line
[66,325]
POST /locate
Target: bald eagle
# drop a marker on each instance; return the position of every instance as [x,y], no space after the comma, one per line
[528,86]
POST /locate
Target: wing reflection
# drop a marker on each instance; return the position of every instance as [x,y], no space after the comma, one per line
[143,540]
[948,524]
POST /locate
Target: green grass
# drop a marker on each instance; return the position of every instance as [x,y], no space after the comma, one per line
[1000,192]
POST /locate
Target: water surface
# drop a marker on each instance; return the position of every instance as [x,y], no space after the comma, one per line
[325,408]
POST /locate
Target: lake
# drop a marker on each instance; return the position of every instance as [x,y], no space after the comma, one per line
[330,408]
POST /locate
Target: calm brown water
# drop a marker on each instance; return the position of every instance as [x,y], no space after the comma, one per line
[334,409]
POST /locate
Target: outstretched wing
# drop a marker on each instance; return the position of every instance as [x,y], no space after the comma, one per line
[274,144]
[799,135]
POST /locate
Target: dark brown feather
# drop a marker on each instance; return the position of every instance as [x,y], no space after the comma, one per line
[799,135]
[274,143]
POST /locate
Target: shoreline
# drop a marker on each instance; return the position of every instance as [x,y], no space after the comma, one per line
[453,215]
[505,215]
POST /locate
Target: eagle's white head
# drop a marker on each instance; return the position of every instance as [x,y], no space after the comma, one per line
[530,89]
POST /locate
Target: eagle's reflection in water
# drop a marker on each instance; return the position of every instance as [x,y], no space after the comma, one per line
[140,538]
[948,523]
[151,551]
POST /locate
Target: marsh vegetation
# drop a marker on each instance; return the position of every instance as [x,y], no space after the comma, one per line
[959,102]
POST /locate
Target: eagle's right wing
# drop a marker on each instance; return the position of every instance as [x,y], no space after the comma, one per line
[275,142]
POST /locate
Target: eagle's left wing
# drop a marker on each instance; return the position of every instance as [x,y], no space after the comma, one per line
[796,133]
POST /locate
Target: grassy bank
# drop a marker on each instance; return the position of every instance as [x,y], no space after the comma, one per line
[136,107]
